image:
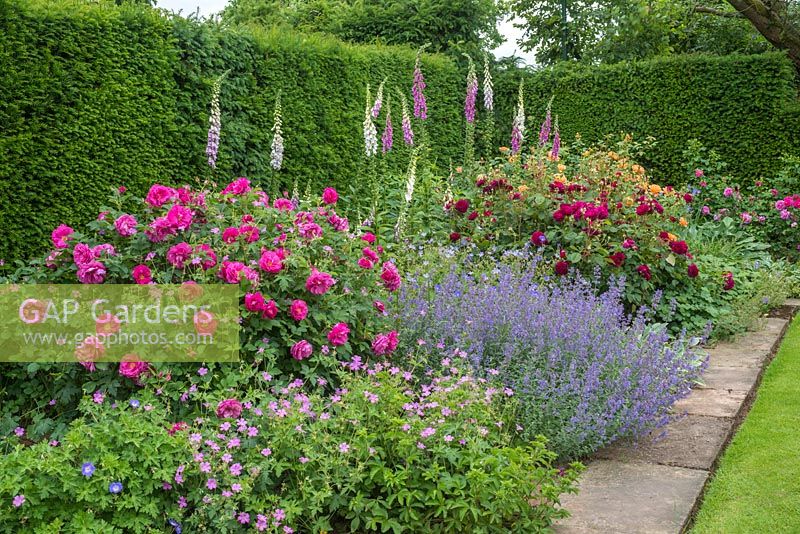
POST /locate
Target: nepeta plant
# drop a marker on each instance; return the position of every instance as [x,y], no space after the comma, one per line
[585,373]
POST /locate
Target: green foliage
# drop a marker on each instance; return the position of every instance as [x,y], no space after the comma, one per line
[448,26]
[358,461]
[125,445]
[609,31]
[744,107]
[97,96]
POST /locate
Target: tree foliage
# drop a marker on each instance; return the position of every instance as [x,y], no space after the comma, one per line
[607,31]
[453,25]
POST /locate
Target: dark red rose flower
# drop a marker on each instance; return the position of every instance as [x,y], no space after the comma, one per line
[692,271]
[617,258]
[562,267]
[538,238]
[644,270]
[462,205]
[455,236]
[679,247]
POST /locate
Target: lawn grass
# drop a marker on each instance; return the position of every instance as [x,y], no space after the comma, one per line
[757,486]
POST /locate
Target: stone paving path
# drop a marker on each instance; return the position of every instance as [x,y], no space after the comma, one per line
[653,487]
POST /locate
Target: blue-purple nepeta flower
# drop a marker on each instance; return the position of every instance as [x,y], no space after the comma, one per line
[134,403]
[115,487]
[584,372]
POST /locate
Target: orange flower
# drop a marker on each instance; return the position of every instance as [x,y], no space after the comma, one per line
[562,167]
[638,169]
[655,189]
[683,222]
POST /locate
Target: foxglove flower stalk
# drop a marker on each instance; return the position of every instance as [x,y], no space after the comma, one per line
[556,142]
[376,108]
[518,125]
[214,124]
[370,132]
[420,105]
[411,178]
[276,154]
[387,138]
[544,131]
[472,93]
[408,133]
[488,86]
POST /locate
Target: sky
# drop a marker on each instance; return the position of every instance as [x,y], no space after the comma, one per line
[210,7]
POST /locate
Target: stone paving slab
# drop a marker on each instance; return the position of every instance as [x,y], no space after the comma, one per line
[632,498]
[726,378]
[692,441]
[651,487]
[730,357]
[712,402]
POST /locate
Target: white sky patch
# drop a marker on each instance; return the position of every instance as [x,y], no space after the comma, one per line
[211,7]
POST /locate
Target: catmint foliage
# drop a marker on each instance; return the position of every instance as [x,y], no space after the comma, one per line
[585,372]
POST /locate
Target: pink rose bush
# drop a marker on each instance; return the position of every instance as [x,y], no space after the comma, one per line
[308,282]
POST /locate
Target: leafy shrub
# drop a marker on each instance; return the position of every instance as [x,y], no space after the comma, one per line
[67,485]
[584,372]
[767,208]
[589,209]
[382,453]
[312,290]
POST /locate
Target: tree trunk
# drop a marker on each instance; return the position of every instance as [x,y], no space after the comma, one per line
[770,18]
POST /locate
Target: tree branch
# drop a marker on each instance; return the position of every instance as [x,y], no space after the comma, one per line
[717,12]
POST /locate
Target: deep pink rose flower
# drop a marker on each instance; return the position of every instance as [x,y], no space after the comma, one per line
[338,334]
[61,236]
[271,262]
[131,367]
[82,254]
[93,272]
[318,283]
[330,196]
[160,195]
[390,276]
[179,254]
[126,225]
[298,310]
[141,274]
[239,186]
[254,302]
[301,350]
[229,409]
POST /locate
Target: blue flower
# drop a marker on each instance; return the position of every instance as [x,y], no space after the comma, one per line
[134,403]
[87,469]
[177,526]
[115,487]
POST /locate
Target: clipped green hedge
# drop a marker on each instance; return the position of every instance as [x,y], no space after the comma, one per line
[97,95]
[745,107]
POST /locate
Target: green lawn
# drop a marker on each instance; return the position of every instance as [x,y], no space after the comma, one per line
[757,486]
